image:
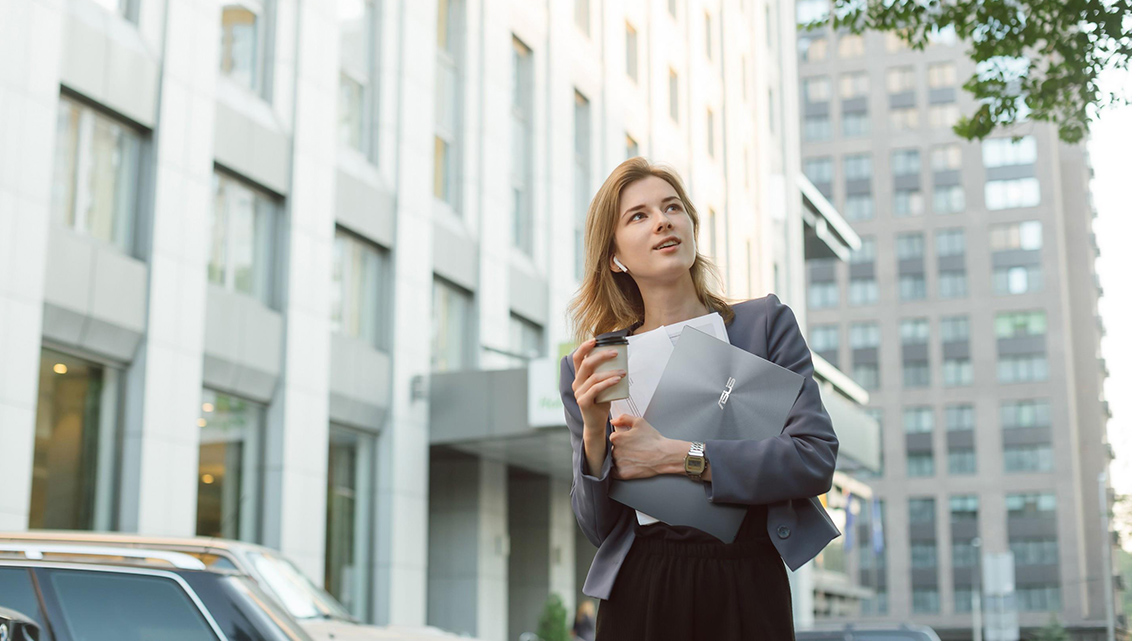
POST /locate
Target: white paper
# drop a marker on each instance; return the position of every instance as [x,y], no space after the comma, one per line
[647,355]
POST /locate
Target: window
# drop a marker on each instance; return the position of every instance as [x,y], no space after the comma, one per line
[1017,280]
[1031,504]
[920,510]
[963,507]
[229,462]
[907,203]
[957,372]
[964,555]
[904,118]
[812,48]
[906,162]
[243,44]
[961,461]
[900,79]
[817,128]
[818,170]
[859,207]
[1004,152]
[522,80]
[1023,368]
[673,8]
[955,329]
[153,604]
[359,293]
[923,555]
[857,167]
[1022,235]
[894,43]
[912,287]
[1008,194]
[919,464]
[674,97]
[241,244]
[710,134]
[1039,598]
[96,175]
[945,115]
[74,457]
[709,34]
[949,199]
[942,74]
[448,124]
[918,420]
[866,375]
[824,338]
[1012,324]
[772,115]
[348,520]
[823,295]
[850,45]
[945,157]
[451,327]
[582,191]
[711,232]
[356,38]
[631,52]
[1037,551]
[916,374]
[952,284]
[632,149]
[856,124]
[525,338]
[863,291]
[864,335]
[1025,413]
[854,85]
[909,246]
[817,89]
[1028,458]
[582,15]
[950,242]
[959,417]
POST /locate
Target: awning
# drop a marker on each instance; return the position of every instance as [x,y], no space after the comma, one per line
[826,233]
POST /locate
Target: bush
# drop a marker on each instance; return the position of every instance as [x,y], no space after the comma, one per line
[1052,632]
[552,625]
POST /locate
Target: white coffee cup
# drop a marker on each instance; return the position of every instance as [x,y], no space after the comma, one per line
[619,344]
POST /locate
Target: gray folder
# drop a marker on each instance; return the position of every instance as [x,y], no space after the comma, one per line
[710,390]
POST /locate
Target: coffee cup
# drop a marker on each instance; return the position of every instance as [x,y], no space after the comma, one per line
[619,344]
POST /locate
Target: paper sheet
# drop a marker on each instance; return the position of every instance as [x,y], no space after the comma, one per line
[647,355]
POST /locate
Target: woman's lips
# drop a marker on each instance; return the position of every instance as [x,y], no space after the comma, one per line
[669,250]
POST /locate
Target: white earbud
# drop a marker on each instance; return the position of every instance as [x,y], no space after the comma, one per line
[620,266]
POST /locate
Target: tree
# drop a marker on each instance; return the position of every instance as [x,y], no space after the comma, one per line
[1036,59]
[1052,632]
[552,626]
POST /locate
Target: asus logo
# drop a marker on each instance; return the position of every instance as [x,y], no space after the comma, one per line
[727,390]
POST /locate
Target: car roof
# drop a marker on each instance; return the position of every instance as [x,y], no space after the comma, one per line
[128,539]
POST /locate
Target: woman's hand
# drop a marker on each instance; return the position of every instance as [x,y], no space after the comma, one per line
[640,451]
[587,385]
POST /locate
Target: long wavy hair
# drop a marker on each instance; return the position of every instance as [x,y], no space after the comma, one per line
[609,300]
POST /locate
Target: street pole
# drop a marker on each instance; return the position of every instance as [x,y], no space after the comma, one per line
[976,595]
[1109,597]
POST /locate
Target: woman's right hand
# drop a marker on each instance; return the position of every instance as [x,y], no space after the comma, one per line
[589,384]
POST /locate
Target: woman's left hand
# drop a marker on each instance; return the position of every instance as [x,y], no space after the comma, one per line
[640,451]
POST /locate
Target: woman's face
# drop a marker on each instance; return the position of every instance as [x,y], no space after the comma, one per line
[654,237]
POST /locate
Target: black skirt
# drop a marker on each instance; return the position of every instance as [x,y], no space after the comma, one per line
[697,590]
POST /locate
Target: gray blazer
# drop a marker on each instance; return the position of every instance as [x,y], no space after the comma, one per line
[786,472]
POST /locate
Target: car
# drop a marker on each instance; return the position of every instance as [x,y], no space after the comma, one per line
[137,597]
[15,626]
[868,632]
[314,609]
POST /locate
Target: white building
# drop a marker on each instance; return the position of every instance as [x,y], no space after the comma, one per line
[218,266]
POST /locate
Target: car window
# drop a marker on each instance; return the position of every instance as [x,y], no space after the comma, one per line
[293,589]
[104,606]
[17,593]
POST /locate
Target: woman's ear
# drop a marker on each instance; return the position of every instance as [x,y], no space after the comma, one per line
[619,266]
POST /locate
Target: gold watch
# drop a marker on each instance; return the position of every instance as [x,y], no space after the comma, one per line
[695,461]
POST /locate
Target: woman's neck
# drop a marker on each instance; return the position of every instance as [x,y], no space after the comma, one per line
[665,305]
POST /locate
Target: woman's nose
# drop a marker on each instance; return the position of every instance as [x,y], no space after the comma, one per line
[663,221]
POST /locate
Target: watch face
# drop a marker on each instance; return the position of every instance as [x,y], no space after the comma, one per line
[694,465]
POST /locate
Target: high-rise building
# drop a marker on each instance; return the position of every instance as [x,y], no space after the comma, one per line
[969,314]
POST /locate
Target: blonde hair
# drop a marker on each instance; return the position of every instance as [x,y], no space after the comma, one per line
[609,300]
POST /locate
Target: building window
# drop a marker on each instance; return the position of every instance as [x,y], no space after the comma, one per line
[1026,413]
[907,203]
[582,192]
[448,100]
[823,295]
[949,199]
[522,116]
[959,417]
[244,36]
[859,207]
[856,124]
[904,118]
[674,97]
[813,48]
[241,245]
[631,52]
[914,331]
[964,554]
[1028,458]
[900,79]
[525,339]
[632,149]
[1023,368]
[1030,504]
[772,115]
[1005,152]
[1009,194]
[818,170]
[857,167]
[96,175]
[582,15]
[862,291]
[713,239]
[864,335]
[359,296]
[1037,551]
[950,242]
[961,461]
[850,45]
[952,284]
[230,434]
[817,89]
[945,157]
[1011,324]
[906,162]
[1021,235]
[944,115]
[963,598]
[75,453]
[451,327]
[443,158]
[916,374]
[824,338]
[955,329]
[920,510]
[909,246]
[912,287]
[709,35]
[964,508]
[923,555]
[1017,280]
[356,53]
[942,74]
[866,375]
[1039,598]
[918,420]
[348,520]
[919,464]
[710,134]
[854,85]
[817,128]
[894,43]
[673,8]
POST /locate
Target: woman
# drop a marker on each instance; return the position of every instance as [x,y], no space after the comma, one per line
[659,581]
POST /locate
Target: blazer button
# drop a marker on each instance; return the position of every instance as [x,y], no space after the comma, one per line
[783,532]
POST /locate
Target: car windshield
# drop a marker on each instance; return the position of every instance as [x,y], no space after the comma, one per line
[293,589]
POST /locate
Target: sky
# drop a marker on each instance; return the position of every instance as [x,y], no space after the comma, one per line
[1114,148]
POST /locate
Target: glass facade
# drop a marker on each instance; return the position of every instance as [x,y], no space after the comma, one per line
[356,22]
[231,431]
[451,327]
[360,289]
[348,526]
[241,246]
[242,57]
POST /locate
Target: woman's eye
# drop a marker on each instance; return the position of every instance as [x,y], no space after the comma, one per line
[634,217]
[671,207]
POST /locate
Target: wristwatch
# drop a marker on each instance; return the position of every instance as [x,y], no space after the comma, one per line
[695,461]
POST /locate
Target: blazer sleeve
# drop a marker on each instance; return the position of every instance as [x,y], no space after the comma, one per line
[595,511]
[800,462]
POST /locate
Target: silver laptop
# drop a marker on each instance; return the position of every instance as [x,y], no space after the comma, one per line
[710,390]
